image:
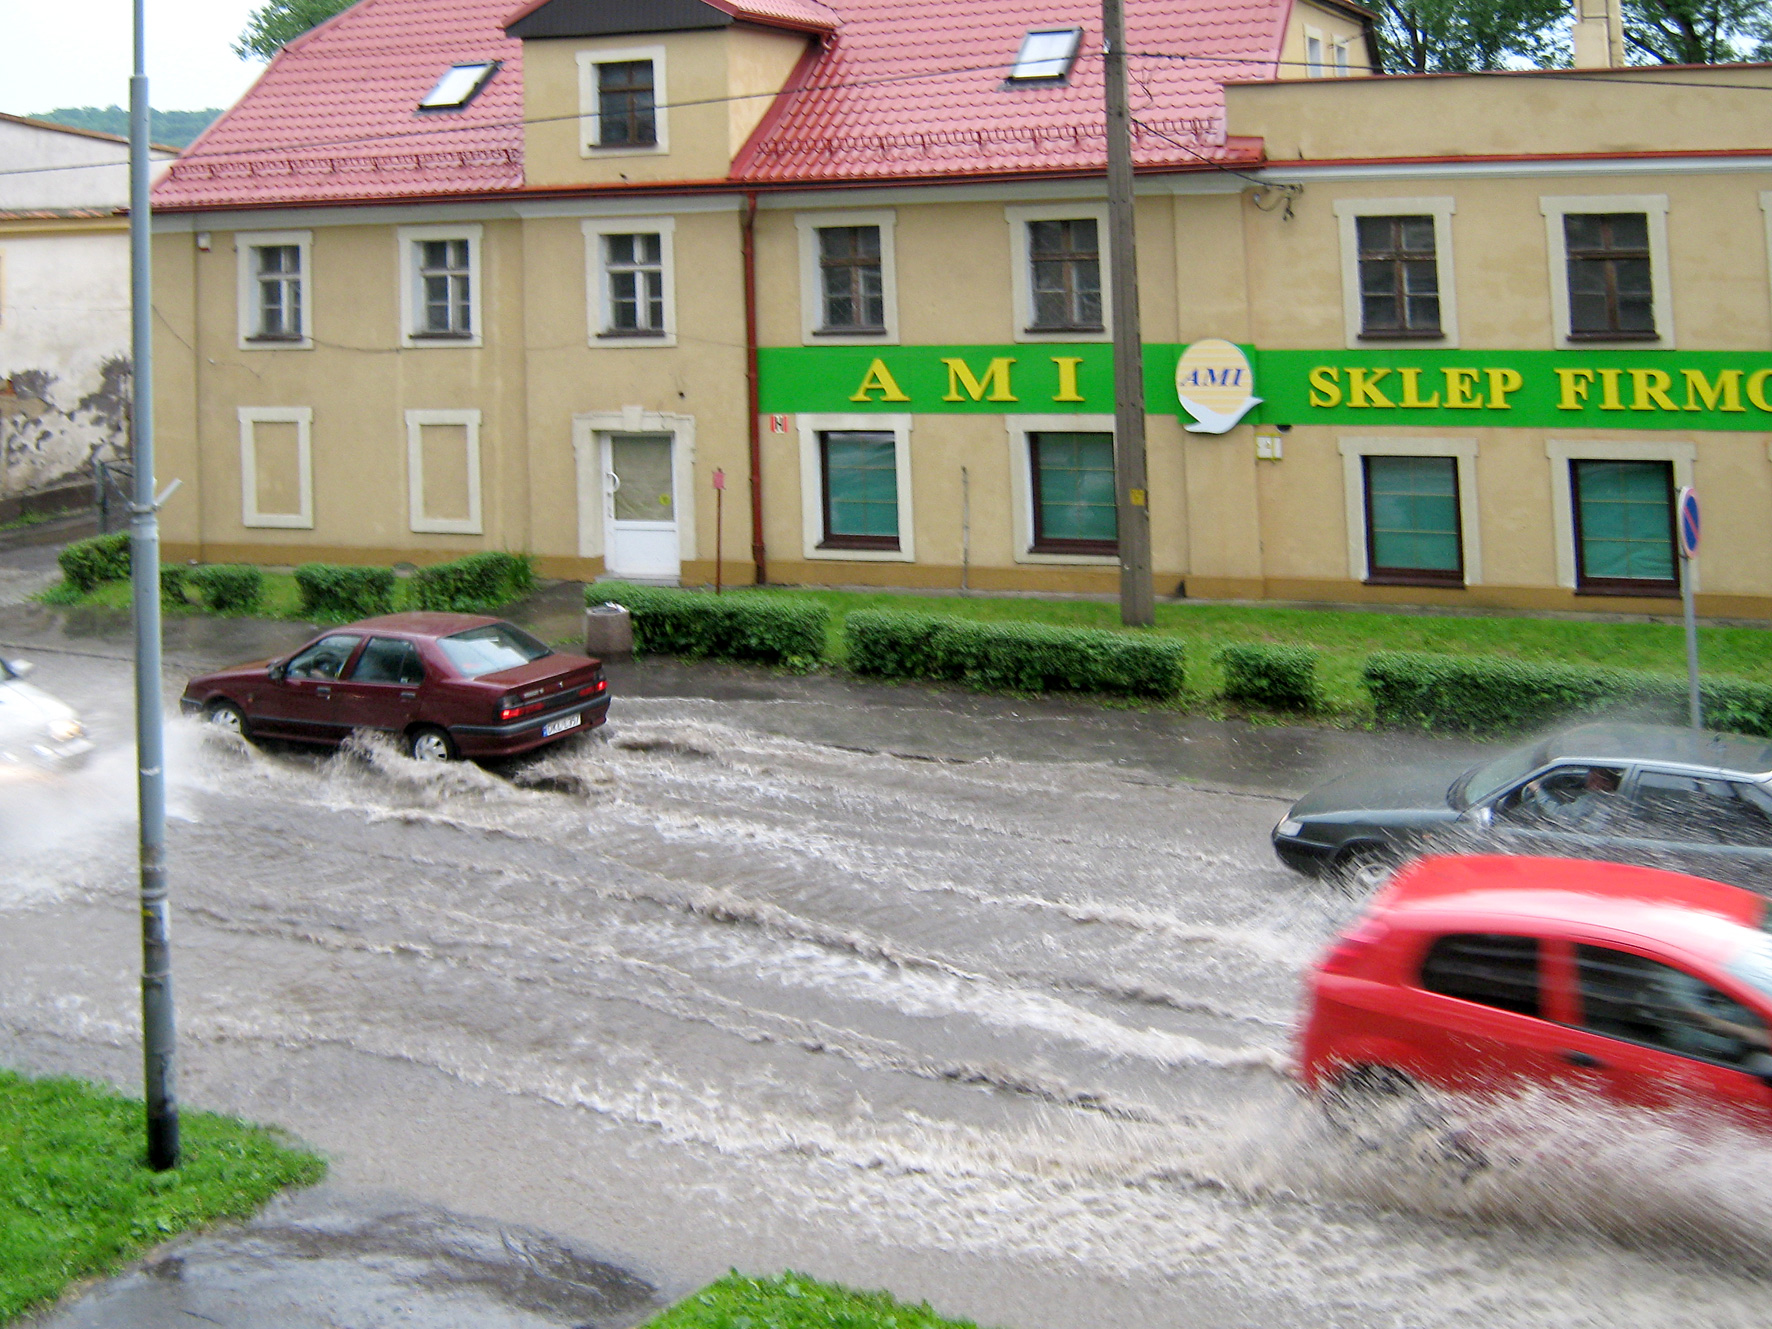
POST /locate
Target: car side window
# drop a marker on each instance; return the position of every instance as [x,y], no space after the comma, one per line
[1489,968]
[388,660]
[1632,997]
[1573,798]
[1665,806]
[325,659]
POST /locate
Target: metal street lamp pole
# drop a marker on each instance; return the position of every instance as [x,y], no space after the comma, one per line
[1136,606]
[144,552]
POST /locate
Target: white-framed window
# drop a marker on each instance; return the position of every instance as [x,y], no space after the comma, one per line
[273,289]
[622,106]
[1612,515]
[276,466]
[442,295]
[1396,270]
[1315,50]
[1412,511]
[629,280]
[1059,266]
[443,472]
[1061,473]
[1609,280]
[855,488]
[848,278]
[1343,50]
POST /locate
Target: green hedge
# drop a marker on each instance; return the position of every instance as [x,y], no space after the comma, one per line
[227,588]
[1015,657]
[172,583]
[1283,677]
[476,584]
[86,563]
[337,590]
[1487,694]
[739,625]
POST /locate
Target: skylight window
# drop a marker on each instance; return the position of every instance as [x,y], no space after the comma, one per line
[1046,54]
[458,86]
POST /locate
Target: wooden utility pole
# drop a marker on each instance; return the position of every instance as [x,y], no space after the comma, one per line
[1136,606]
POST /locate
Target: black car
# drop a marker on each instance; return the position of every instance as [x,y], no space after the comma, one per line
[1700,802]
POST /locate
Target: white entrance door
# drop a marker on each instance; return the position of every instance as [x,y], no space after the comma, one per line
[640,505]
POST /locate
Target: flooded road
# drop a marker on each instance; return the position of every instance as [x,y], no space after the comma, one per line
[717,988]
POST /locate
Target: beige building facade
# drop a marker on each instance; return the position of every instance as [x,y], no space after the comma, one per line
[1444,340]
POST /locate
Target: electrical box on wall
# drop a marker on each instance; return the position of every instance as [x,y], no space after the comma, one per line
[1269,446]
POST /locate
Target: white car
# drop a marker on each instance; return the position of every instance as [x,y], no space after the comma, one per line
[37,732]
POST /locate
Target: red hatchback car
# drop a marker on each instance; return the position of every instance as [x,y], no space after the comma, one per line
[449,685]
[1485,974]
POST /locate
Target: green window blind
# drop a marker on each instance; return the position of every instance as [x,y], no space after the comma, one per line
[1412,516]
[1073,477]
[861,488]
[1623,514]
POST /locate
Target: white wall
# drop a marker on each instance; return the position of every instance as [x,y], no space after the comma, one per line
[47,168]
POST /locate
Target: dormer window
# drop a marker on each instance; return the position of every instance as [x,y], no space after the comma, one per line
[1046,55]
[459,85]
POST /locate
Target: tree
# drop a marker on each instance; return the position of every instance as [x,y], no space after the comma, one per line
[1697,32]
[279,22]
[1458,36]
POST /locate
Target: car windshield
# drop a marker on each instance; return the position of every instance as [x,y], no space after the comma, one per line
[1754,966]
[491,648]
[1480,782]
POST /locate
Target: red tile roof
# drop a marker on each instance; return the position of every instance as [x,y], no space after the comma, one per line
[902,89]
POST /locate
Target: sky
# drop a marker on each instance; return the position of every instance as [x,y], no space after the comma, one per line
[56,53]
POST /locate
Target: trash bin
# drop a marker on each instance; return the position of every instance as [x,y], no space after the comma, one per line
[609,632]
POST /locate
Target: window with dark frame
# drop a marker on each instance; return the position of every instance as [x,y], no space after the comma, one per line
[1491,969]
[633,265]
[1624,527]
[445,288]
[859,479]
[1071,479]
[1414,534]
[1611,291]
[1399,278]
[626,114]
[1065,262]
[851,279]
[279,293]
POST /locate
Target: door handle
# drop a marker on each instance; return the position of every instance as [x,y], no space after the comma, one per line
[409,696]
[614,485]
[323,692]
[1586,1060]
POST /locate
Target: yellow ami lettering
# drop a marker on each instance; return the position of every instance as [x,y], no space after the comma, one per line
[1649,390]
[1459,383]
[995,380]
[878,379]
[1363,391]
[1412,389]
[1067,377]
[1325,386]
[1502,382]
[1572,386]
[1724,395]
[1609,398]
[1756,388]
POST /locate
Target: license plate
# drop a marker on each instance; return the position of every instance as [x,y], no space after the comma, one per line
[553,727]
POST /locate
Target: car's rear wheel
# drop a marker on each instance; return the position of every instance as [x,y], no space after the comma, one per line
[428,743]
[1365,868]
[1380,1109]
[228,718]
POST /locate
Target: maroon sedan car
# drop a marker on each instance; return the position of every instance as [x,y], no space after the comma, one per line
[449,685]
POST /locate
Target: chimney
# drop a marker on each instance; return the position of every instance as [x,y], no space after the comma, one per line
[1599,34]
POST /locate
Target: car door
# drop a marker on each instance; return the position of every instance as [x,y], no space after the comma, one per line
[1478,1017]
[1567,811]
[297,702]
[1658,1035]
[1712,827]
[382,688]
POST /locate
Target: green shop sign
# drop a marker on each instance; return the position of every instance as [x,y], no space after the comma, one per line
[1401,386]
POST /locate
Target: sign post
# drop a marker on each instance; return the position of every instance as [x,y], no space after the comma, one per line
[1689,527]
[719,527]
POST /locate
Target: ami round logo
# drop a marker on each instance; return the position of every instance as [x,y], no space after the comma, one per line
[1215,384]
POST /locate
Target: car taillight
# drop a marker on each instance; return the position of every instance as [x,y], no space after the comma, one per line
[512,708]
[592,689]
[1350,949]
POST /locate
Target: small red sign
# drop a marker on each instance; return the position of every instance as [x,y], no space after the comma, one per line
[778,424]
[719,479]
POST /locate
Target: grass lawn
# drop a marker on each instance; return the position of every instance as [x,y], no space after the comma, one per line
[1347,636]
[77,1198]
[795,1301]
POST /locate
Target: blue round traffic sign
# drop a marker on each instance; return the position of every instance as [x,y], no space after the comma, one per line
[1687,521]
